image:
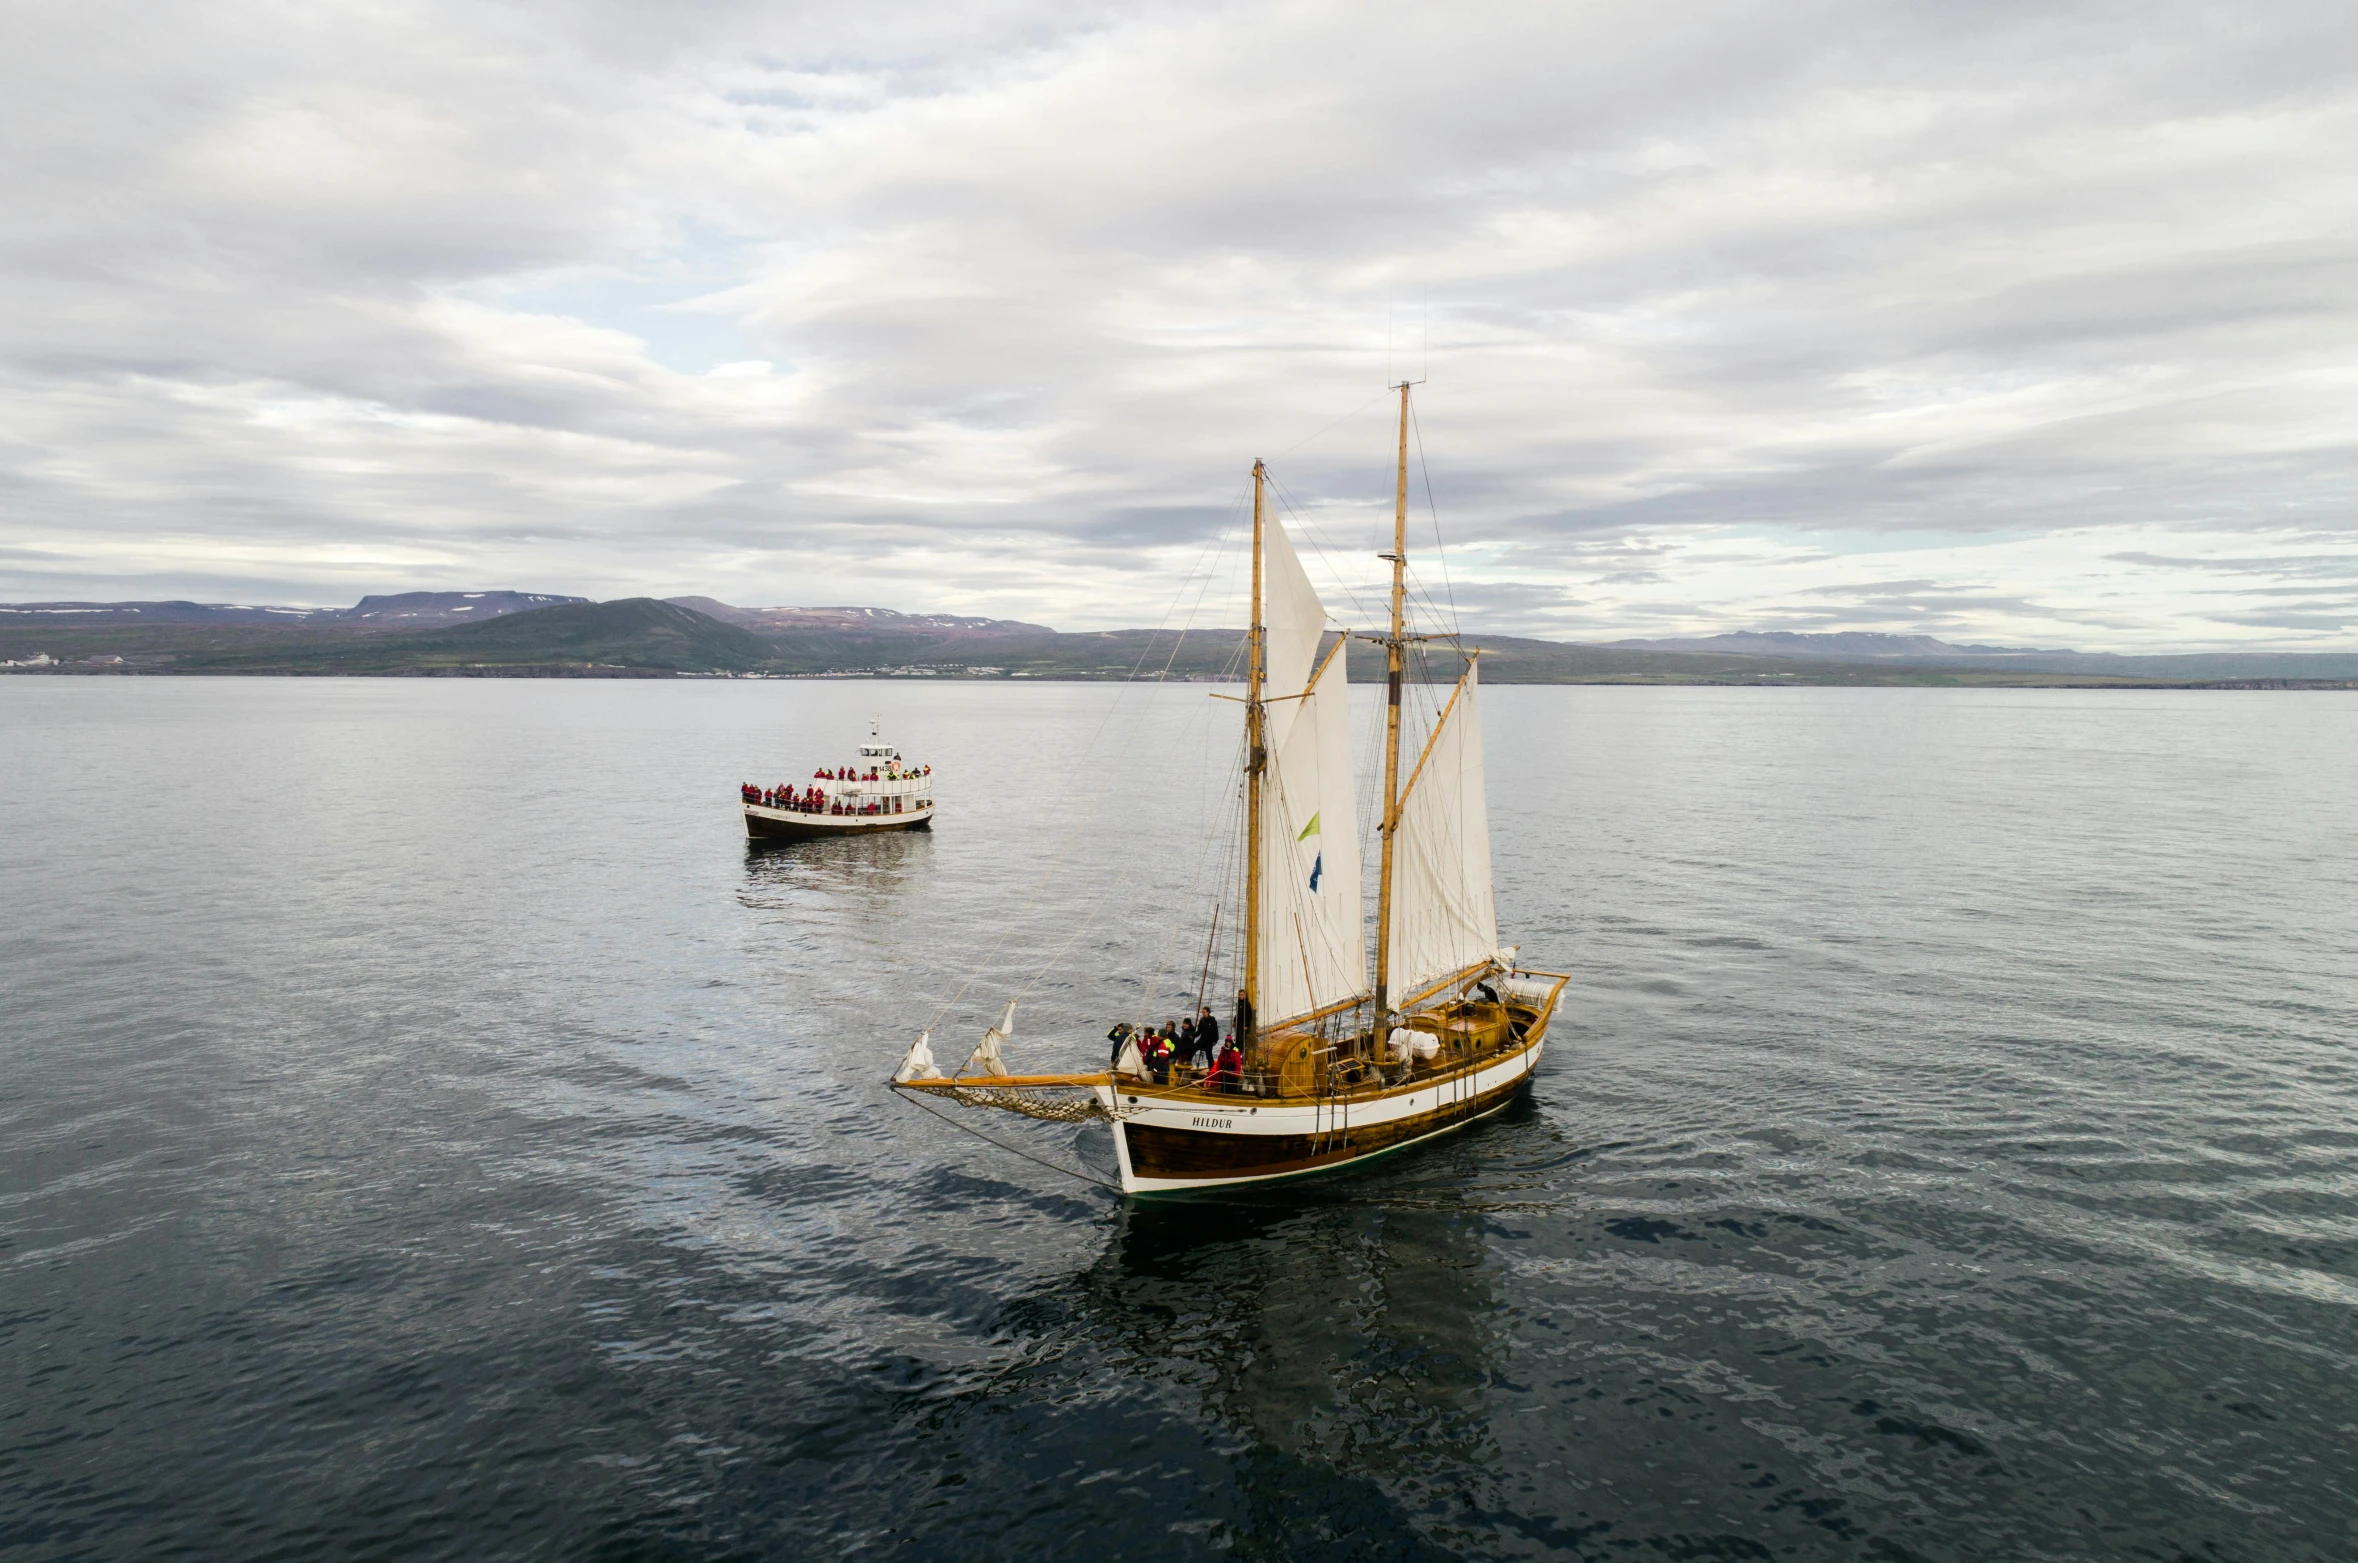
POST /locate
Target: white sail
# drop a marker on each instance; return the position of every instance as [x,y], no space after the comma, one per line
[1292,617]
[986,1059]
[917,1063]
[1443,917]
[1313,950]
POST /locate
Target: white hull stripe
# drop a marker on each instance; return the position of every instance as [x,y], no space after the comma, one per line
[1250,1116]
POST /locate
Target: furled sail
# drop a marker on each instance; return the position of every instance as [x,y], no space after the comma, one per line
[1443,917]
[1313,951]
[986,1059]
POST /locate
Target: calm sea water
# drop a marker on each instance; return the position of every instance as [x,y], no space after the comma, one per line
[429,1132]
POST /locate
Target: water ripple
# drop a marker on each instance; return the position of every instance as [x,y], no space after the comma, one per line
[1946,1150]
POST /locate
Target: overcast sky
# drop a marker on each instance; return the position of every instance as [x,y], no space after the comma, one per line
[2027,324]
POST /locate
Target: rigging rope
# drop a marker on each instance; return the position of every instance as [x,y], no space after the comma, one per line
[957,1123]
[1114,773]
[1338,423]
[1440,550]
[1309,533]
[1213,547]
[1215,842]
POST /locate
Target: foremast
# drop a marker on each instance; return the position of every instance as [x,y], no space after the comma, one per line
[1256,762]
[1305,929]
[1395,668]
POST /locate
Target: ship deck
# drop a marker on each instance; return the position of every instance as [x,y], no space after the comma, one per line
[1275,1087]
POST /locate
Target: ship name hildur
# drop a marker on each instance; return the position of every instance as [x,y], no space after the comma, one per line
[1343,1067]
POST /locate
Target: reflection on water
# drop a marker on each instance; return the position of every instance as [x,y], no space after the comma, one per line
[885,864]
[1334,1329]
[1339,1351]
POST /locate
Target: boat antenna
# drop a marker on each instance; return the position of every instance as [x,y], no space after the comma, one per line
[1395,664]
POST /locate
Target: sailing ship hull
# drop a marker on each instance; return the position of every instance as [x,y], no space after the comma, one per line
[1167,1144]
[768,824]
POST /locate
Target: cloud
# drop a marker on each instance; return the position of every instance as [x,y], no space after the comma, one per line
[2343,566]
[1731,312]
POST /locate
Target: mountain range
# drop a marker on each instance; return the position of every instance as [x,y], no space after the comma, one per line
[512,633]
[859,621]
[402,610]
[1839,646]
[1859,646]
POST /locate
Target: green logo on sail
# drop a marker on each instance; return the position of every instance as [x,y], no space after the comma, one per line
[1309,830]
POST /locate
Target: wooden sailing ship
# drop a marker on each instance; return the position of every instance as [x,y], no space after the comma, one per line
[1340,1068]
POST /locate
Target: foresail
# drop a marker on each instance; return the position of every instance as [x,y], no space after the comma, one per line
[1292,617]
[1313,950]
[1443,917]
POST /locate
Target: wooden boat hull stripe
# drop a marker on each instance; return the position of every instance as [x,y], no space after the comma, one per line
[1158,1157]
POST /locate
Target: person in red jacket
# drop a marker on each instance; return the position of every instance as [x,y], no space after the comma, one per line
[1228,1069]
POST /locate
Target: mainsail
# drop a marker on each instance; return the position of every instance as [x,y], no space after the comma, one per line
[1443,917]
[1313,951]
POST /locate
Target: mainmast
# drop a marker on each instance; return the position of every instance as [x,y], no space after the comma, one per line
[1256,761]
[1395,662]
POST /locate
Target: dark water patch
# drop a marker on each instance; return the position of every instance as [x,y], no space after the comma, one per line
[1928,1435]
